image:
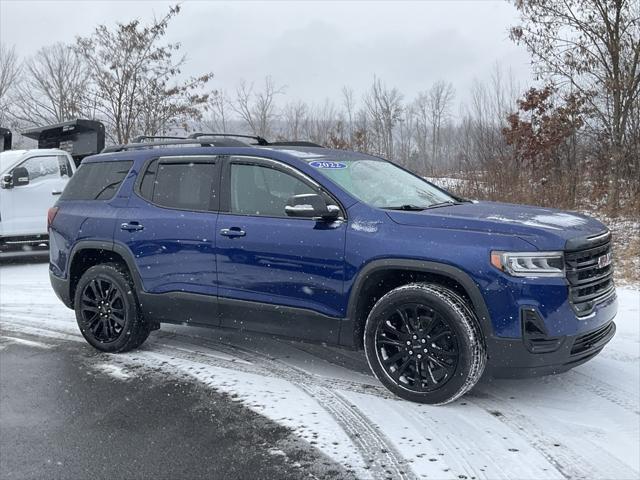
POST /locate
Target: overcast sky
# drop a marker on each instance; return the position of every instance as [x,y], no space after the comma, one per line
[314,48]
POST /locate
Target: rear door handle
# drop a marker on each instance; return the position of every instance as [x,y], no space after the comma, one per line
[56,192]
[232,232]
[132,226]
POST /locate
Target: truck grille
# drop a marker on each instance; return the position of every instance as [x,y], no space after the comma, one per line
[590,276]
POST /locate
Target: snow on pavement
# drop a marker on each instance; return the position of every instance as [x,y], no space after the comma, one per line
[582,424]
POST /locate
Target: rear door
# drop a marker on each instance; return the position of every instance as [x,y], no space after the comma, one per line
[24,208]
[267,260]
[169,227]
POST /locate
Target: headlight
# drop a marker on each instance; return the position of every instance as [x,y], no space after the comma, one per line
[529,264]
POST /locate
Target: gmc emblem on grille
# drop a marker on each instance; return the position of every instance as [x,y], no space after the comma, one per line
[604,260]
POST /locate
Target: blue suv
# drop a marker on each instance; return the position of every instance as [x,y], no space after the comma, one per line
[332,246]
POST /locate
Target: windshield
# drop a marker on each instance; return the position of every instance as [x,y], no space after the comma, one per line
[9,158]
[382,184]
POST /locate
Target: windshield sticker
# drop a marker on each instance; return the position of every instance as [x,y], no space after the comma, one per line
[327,164]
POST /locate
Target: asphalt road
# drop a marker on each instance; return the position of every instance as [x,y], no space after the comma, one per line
[62,418]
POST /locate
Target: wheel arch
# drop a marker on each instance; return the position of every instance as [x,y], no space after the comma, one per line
[88,253]
[381,276]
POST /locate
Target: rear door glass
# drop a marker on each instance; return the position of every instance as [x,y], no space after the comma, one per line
[96,181]
[186,183]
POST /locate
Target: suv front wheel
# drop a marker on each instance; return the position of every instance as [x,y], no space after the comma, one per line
[107,310]
[423,342]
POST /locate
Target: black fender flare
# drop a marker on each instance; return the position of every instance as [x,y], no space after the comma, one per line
[107,246]
[347,332]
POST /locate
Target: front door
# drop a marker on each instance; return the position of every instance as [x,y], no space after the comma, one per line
[169,227]
[267,261]
[24,208]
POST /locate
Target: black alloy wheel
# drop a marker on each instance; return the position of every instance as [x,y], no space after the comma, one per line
[424,343]
[107,309]
[417,347]
[103,310]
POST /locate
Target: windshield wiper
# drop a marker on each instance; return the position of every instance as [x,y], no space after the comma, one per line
[408,207]
[444,204]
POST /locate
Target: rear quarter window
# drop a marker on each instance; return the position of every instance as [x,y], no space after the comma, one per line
[96,181]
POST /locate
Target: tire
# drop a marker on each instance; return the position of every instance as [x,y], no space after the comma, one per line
[445,355]
[107,309]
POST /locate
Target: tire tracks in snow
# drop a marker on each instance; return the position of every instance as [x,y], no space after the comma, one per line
[570,464]
[605,391]
[371,444]
[380,456]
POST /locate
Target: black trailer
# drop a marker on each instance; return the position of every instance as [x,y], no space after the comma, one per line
[80,138]
[5,139]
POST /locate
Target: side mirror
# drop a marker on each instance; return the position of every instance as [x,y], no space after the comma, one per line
[6,181]
[20,177]
[311,205]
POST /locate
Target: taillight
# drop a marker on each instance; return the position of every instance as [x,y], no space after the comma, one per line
[51,214]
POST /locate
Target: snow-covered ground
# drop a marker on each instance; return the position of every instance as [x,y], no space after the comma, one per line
[582,424]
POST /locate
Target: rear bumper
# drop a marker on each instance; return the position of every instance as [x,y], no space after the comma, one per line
[510,358]
[61,288]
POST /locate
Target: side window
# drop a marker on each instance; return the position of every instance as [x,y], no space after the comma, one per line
[96,181]
[187,184]
[42,168]
[65,167]
[261,190]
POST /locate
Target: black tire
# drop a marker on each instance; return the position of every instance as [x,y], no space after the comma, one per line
[445,355]
[107,309]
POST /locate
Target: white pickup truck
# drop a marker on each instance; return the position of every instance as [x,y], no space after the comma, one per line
[30,181]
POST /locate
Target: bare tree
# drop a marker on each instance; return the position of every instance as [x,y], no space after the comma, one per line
[321,123]
[53,87]
[440,97]
[257,108]
[10,70]
[420,107]
[348,103]
[166,107]
[384,106]
[294,116]
[593,48]
[134,79]
[405,140]
[432,109]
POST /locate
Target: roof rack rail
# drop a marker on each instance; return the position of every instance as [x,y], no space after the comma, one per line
[260,140]
[294,143]
[141,138]
[168,143]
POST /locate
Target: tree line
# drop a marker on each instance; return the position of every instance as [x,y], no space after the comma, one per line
[570,140]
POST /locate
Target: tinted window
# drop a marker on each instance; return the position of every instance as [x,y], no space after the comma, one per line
[96,181]
[187,185]
[258,190]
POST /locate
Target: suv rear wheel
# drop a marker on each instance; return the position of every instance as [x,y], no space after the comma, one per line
[107,309]
[423,342]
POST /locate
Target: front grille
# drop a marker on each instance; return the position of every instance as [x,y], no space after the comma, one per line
[589,283]
[591,340]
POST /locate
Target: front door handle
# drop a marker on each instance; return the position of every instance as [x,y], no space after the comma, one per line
[132,227]
[56,192]
[232,232]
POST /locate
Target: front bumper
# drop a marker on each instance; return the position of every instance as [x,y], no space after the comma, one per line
[510,358]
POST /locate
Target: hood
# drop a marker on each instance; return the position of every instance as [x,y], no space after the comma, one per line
[544,228]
